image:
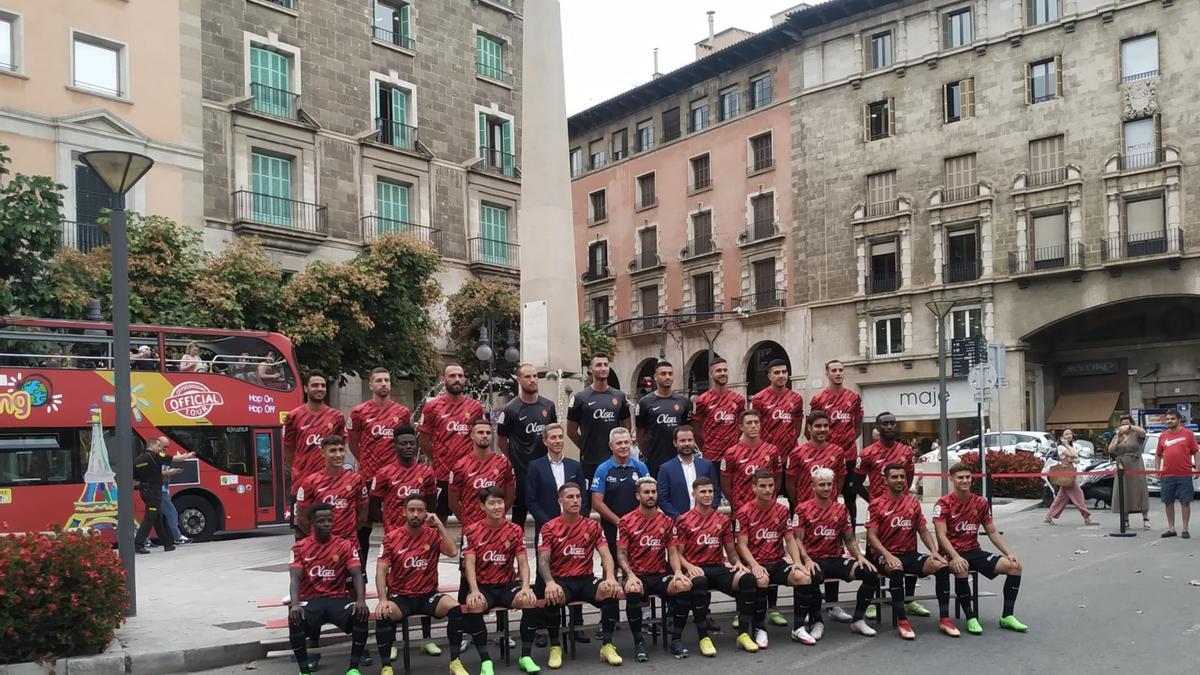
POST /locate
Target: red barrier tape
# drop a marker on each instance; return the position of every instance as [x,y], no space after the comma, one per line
[1046,475]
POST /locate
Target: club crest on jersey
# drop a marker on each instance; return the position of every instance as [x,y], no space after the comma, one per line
[675,407]
[615,402]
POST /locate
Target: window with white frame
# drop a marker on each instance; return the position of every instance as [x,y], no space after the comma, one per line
[97,65]
[1145,225]
[1050,240]
[762,156]
[597,207]
[880,45]
[9,34]
[576,160]
[646,192]
[600,310]
[1139,57]
[1140,144]
[730,104]
[645,135]
[1043,80]
[393,23]
[1038,12]
[956,28]
[698,116]
[620,144]
[966,322]
[958,101]
[879,120]
[271,82]
[889,335]
[596,154]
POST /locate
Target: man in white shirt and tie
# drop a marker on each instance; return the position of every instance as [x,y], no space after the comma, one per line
[676,476]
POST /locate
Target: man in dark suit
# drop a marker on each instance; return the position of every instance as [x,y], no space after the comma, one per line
[676,476]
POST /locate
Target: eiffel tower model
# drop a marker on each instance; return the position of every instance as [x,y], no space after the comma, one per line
[96,508]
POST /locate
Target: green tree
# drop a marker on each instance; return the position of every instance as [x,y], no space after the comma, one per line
[468,310]
[247,287]
[349,317]
[30,213]
[592,340]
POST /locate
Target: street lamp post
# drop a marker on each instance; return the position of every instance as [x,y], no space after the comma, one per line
[940,309]
[486,354]
[120,171]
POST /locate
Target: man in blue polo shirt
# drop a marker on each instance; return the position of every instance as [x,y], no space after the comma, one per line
[614,487]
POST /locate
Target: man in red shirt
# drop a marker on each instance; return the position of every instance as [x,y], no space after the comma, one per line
[763,537]
[369,432]
[781,408]
[643,537]
[745,457]
[824,535]
[565,552]
[844,408]
[958,517]
[894,523]
[305,427]
[398,480]
[1176,461]
[341,488]
[446,430]
[887,450]
[818,452]
[716,415]
[318,569]
[406,580]
[491,546]
[704,549]
[477,470]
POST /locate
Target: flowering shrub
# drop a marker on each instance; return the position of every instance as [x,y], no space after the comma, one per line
[61,594]
[1001,462]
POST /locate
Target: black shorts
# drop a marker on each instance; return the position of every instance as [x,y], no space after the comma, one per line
[778,572]
[655,584]
[321,611]
[575,589]
[495,595]
[833,569]
[720,578]
[912,562]
[418,604]
[982,561]
[442,507]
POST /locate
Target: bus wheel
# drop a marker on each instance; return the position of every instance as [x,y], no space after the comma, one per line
[197,517]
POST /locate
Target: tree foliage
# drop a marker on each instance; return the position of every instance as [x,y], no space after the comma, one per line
[30,213]
[468,310]
[592,340]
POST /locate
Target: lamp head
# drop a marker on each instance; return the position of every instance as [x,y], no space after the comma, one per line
[119,171]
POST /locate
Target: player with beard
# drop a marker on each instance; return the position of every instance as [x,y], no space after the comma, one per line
[887,450]
[318,570]
[306,426]
[490,547]
[764,535]
[704,549]
[480,469]
[825,535]
[958,517]
[566,546]
[716,414]
[343,489]
[595,411]
[446,430]
[781,408]
[659,412]
[844,408]
[894,523]
[369,432]
[406,580]
[520,427]
[644,557]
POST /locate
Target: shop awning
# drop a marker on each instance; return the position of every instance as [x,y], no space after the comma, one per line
[1089,410]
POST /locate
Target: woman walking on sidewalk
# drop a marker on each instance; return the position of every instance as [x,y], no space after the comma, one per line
[1126,446]
[1067,456]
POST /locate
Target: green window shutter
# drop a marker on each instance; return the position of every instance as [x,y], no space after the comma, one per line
[483,139]
[271,181]
[269,82]
[493,223]
[405,25]
[506,145]
[391,204]
[489,55]
[400,115]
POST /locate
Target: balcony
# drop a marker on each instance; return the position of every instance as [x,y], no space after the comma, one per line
[698,247]
[760,164]
[645,261]
[395,134]
[759,231]
[702,311]
[1141,160]
[82,236]
[960,194]
[646,323]
[493,73]
[702,183]
[393,38]
[1166,243]
[280,212]
[274,102]
[376,226]
[493,253]
[1140,76]
[883,282]
[1036,179]
[595,273]
[883,208]
[961,271]
[771,298]
[497,161]
[1046,261]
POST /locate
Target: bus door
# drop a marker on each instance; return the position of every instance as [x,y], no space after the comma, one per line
[268,476]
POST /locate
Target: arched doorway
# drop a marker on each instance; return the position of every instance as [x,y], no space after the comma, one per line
[643,379]
[697,373]
[614,382]
[756,364]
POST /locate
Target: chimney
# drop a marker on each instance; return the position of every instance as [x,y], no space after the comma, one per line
[711,31]
[655,75]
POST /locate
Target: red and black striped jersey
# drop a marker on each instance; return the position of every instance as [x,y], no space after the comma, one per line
[896,521]
[876,457]
[473,473]
[571,546]
[782,415]
[808,456]
[964,520]
[645,540]
[701,537]
[496,550]
[740,463]
[344,491]
[394,483]
[324,566]
[412,559]
[717,416]
[845,417]
[303,431]
[369,431]
[447,423]
[822,527]
[764,530]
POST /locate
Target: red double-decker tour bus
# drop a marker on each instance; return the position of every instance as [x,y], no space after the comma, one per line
[219,393]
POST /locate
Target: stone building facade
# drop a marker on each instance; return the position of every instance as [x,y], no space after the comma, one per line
[1029,159]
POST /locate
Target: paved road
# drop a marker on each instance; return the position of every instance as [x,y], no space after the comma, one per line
[1110,609]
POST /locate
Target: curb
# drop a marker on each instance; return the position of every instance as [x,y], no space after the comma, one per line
[121,662]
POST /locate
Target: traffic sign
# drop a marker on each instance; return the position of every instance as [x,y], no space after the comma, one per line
[982,396]
[998,357]
[982,377]
[966,352]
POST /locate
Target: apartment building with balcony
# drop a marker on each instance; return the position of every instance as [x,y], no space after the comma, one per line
[1028,159]
[87,76]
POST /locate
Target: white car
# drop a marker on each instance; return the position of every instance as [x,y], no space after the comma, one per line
[1150,459]
[1003,441]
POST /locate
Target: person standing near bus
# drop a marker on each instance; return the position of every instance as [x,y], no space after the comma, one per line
[334,484]
[305,427]
[595,411]
[148,472]
[446,431]
[370,431]
[520,429]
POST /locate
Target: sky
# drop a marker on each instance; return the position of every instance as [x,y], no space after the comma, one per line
[608,45]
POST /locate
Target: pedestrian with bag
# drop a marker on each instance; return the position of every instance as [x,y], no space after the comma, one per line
[1062,476]
[1126,447]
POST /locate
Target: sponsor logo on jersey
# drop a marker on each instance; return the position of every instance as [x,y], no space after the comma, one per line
[707,540]
[724,417]
[824,531]
[322,572]
[574,551]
